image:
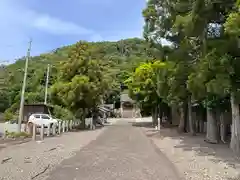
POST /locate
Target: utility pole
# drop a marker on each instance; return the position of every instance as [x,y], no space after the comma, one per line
[46,86]
[20,118]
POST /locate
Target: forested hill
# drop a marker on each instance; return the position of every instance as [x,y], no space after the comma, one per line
[118,59]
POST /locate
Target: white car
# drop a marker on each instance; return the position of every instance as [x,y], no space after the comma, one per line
[40,119]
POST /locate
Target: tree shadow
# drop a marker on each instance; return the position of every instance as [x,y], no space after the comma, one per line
[142,124]
[234,178]
[215,152]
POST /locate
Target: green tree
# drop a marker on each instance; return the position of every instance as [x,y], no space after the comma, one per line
[204,38]
[81,84]
[143,87]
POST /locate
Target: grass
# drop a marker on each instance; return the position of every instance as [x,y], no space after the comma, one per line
[16,134]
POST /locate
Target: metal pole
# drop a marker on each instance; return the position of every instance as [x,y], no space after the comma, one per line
[46,86]
[23,88]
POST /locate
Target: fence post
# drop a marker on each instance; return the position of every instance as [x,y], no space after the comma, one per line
[71,125]
[59,127]
[159,125]
[67,126]
[34,132]
[63,126]
[54,129]
[42,132]
[48,129]
[92,125]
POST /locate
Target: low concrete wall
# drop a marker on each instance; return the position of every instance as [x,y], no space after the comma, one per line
[9,127]
[87,121]
[13,127]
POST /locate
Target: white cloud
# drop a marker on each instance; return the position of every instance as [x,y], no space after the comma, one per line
[57,26]
[19,23]
[26,18]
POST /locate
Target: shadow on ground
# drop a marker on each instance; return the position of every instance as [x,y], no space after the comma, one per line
[216,152]
[142,124]
[150,125]
[11,142]
[235,178]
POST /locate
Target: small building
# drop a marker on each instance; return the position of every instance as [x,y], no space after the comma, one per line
[126,101]
[30,109]
[127,106]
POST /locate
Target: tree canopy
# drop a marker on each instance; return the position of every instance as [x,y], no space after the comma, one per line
[204,40]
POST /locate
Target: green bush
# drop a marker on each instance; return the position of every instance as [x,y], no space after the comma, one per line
[9,115]
[62,113]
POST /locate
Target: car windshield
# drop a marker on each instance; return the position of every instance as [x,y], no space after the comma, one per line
[37,116]
[45,117]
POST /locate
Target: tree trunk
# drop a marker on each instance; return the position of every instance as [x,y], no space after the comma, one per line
[201,118]
[235,137]
[201,123]
[83,122]
[190,118]
[201,126]
[160,113]
[223,127]
[197,122]
[174,115]
[155,116]
[212,129]
[181,125]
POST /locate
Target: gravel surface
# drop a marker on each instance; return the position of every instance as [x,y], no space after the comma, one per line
[28,161]
[122,152]
[194,158]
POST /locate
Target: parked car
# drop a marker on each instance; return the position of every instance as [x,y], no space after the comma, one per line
[44,119]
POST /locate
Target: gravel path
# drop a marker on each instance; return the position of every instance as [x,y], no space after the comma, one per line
[122,152]
[26,161]
[196,159]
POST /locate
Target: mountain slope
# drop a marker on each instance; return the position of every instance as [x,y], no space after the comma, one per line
[120,58]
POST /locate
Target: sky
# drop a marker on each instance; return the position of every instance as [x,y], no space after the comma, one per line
[55,23]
